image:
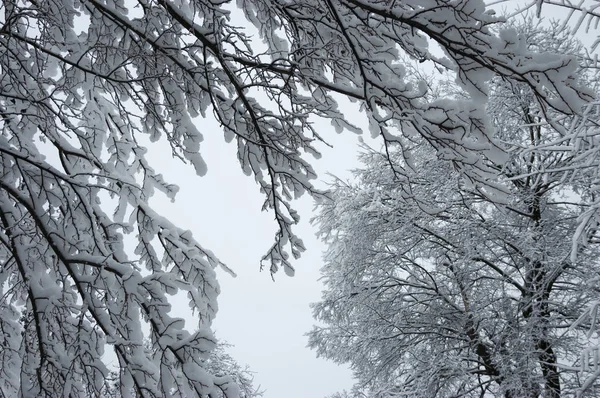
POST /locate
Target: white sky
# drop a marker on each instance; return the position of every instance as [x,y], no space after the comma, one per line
[265,320]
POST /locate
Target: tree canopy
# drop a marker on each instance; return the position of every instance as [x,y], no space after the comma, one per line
[86,86]
[435,288]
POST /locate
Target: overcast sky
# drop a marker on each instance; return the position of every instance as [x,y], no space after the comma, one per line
[265,320]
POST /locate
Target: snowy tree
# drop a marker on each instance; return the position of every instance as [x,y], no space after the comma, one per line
[438,287]
[86,86]
[219,363]
[357,392]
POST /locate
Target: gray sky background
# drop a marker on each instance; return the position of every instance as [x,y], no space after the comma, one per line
[264,320]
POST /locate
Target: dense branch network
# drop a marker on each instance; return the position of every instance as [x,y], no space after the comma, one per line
[434,287]
[86,85]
